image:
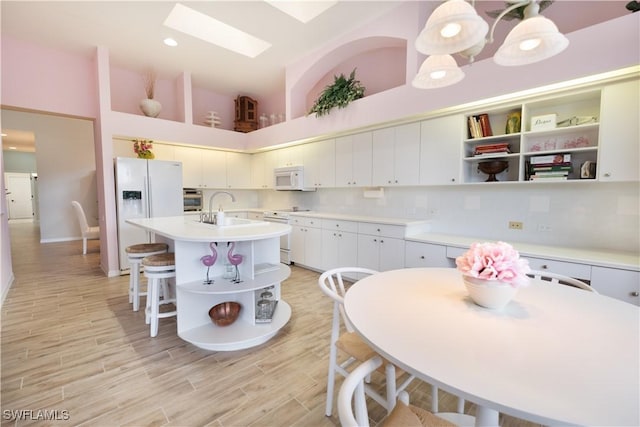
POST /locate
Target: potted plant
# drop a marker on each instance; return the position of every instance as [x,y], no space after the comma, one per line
[492,273]
[149,106]
[339,94]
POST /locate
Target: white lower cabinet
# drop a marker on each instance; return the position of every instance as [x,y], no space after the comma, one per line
[339,244]
[306,242]
[571,269]
[380,253]
[616,283]
[421,255]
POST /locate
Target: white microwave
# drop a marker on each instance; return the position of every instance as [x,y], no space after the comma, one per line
[290,178]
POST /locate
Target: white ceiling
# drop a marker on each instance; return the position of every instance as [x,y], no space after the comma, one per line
[133,32]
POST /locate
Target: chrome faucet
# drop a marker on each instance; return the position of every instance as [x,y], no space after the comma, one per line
[211,216]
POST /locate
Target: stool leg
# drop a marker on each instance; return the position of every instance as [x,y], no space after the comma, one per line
[135,273]
[131,279]
[154,290]
[147,308]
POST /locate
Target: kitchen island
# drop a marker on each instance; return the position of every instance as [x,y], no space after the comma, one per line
[260,271]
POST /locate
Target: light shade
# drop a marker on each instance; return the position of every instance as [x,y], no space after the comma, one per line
[437,71]
[452,27]
[532,40]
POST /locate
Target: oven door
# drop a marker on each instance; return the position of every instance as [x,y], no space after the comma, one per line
[285,240]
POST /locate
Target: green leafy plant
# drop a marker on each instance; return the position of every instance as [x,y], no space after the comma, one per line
[339,94]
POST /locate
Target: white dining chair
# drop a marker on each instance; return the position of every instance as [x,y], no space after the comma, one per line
[560,279]
[352,391]
[332,284]
[88,233]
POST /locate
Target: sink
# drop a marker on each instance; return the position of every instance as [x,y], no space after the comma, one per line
[232,222]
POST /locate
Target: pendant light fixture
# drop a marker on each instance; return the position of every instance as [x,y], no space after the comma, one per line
[454,27]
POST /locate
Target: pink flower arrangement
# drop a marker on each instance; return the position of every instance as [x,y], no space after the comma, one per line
[142,148]
[494,261]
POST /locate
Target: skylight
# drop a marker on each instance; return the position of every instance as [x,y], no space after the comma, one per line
[211,30]
[303,11]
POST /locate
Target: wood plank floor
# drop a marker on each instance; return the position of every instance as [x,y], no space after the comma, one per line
[72,344]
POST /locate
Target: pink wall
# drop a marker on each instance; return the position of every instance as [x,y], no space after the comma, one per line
[206,100]
[38,78]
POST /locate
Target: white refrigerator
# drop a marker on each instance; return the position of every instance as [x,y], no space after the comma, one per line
[144,189]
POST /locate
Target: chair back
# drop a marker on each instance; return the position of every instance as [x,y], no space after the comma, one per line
[331,283]
[560,279]
[352,389]
[82,219]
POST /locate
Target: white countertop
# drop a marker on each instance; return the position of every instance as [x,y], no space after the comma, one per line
[186,228]
[361,218]
[603,258]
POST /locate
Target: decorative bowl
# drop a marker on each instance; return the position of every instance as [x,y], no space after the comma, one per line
[491,294]
[492,168]
[225,313]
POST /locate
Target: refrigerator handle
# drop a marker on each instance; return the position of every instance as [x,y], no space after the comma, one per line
[147,203]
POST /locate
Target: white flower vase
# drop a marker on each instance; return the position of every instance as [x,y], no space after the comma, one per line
[150,107]
[492,294]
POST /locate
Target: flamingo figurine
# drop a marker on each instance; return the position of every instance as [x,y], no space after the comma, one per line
[209,260]
[234,259]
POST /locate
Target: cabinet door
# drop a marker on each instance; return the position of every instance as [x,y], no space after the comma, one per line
[391,254]
[163,151]
[440,145]
[368,250]
[258,165]
[406,158]
[419,254]
[291,156]
[344,161]
[191,159]
[619,133]
[238,170]
[620,284]
[362,152]
[330,257]
[320,166]
[339,249]
[297,244]
[382,159]
[214,169]
[313,247]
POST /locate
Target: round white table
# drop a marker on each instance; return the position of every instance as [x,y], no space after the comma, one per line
[554,355]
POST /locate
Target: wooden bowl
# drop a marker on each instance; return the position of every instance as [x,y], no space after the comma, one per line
[492,168]
[225,313]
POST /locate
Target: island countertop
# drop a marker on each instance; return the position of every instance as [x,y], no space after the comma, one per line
[183,228]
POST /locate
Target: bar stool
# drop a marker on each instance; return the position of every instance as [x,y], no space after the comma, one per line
[135,254]
[157,269]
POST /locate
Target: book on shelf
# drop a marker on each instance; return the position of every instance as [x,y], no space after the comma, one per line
[502,147]
[551,167]
[544,174]
[551,159]
[548,178]
[480,126]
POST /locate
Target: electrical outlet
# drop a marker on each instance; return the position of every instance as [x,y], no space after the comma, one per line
[515,225]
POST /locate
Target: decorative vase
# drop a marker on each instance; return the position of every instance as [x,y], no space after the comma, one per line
[150,107]
[492,294]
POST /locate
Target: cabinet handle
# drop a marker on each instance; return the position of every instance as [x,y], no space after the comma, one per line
[421,256]
[381,241]
[339,235]
[544,266]
[337,225]
[378,230]
[375,240]
[354,183]
[453,180]
[389,181]
[607,174]
[396,181]
[635,294]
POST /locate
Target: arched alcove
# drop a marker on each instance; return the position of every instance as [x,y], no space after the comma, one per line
[380,62]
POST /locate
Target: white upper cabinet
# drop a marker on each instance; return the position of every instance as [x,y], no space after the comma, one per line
[238,170]
[396,155]
[262,166]
[353,160]
[440,150]
[291,156]
[214,169]
[320,164]
[620,132]
[191,159]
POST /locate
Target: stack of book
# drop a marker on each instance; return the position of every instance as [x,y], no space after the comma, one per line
[479,126]
[498,148]
[550,168]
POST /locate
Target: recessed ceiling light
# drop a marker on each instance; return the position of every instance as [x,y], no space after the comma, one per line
[303,11]
[12,148]
[170,42]
[4,134]
[211,30]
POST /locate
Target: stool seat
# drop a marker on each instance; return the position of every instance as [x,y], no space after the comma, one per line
[159,260]
[158,269]
[147,248]
[135,254]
